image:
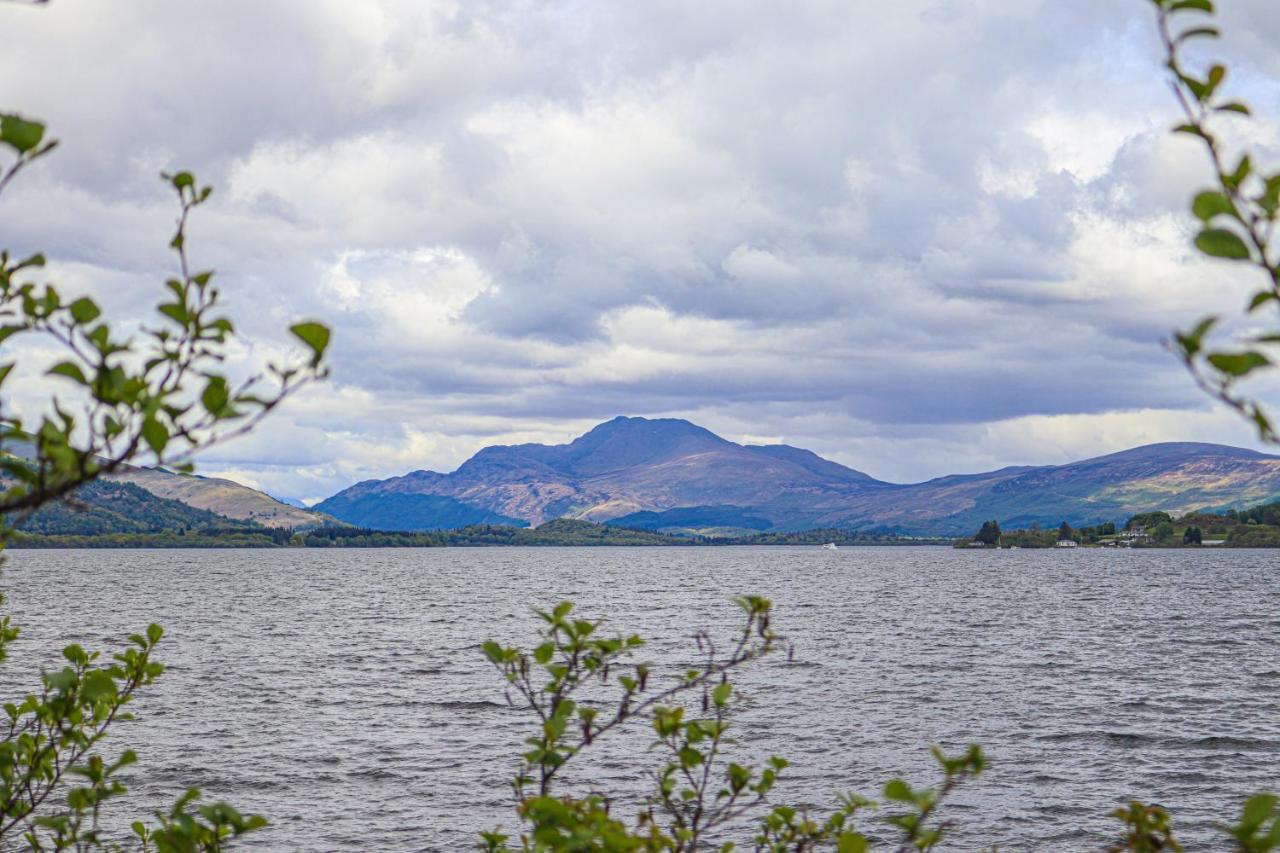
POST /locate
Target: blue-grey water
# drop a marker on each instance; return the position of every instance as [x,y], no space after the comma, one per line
[342,693]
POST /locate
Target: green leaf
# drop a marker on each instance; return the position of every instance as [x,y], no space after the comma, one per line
[315,336]
[1197,32]
[1243,170]
[1234,107]
[896,789]
[1209,204]
[98,685]
[1221,243]
[84,310]
[70,370]
[1200,5]
[62,679]
[1258,808]
[1238,364]
[1217,74]
[722,693]
[20,134]
[1262,297]
[176,312]
[852,842]
[156,435]
[690,757]
[215,395]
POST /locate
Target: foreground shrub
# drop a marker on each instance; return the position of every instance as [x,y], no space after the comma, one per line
[580,686]
[160,396]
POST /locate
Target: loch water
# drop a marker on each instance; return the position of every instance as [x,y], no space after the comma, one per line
[342,692]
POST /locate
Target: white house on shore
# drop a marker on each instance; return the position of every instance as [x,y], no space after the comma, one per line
[1067,543]
[1133,536]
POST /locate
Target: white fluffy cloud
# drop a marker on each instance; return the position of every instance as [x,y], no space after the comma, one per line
[918,237]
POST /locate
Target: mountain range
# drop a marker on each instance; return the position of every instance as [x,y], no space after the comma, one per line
[672,475]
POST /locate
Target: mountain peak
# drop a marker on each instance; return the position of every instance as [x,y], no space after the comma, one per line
[657,427]
[625,442]
[1172,450]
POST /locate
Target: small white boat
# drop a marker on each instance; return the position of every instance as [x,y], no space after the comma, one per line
[830,546]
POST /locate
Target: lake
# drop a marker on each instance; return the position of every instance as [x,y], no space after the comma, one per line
[342,693]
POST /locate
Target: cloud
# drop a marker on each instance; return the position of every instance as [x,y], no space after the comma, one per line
[919,236]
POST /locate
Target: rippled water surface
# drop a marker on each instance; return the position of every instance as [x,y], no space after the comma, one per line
[342,692]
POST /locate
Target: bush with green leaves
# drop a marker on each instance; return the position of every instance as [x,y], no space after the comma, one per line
[580,686]
[1237,215]
[157,395]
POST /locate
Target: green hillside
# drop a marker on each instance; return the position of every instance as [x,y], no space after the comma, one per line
[562,531]
[106,507]
[413,512]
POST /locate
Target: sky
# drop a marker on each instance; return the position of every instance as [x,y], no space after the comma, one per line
[919,238]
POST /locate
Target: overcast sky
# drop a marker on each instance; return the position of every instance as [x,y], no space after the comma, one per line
[920,237]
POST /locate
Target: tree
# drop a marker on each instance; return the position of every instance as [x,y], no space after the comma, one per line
[702,799]
[1192,536]
[1064,532]
[989,534]
[1148,519]
[1237,216]
[160,397]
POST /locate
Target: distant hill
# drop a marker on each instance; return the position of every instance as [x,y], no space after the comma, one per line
[103,507]
[561,531]
[671,475]
[223,497]
[413,512]
[1177,477]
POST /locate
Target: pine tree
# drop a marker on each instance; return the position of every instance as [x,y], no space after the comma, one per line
[989,534]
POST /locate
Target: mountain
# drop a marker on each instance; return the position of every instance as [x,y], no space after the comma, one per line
[413,511]
[1176,477]
[668,474]
[101,507]
[626,465]
[222,497]
[226,501]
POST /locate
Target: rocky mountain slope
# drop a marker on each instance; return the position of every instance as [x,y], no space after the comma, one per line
[671,474]
[221,497]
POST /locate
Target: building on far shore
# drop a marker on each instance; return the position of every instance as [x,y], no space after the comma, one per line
[1066,543]
[1133,536]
